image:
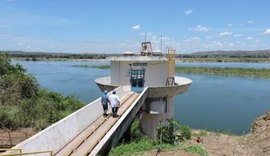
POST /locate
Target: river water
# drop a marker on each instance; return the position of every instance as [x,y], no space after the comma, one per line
[212,102]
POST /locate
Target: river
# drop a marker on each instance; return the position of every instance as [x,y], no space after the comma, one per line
[212,102]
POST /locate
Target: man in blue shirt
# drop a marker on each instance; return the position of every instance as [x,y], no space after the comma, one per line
[104,102]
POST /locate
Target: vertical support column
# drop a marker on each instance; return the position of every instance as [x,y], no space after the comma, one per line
[150,120]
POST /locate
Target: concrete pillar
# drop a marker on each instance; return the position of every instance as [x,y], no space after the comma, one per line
[151,118]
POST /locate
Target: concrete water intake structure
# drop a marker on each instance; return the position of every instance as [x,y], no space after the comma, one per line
[146,84]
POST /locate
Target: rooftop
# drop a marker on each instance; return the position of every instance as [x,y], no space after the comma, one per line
[137,58]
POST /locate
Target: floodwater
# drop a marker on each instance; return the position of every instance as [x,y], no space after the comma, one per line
[211,102]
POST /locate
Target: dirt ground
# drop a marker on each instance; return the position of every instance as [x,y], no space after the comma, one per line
[256,143]
[10,138]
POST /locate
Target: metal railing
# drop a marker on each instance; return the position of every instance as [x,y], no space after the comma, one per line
[20,153]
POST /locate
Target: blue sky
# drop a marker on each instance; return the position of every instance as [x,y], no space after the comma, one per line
[114,26]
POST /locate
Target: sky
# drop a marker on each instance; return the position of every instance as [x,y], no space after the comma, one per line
[115,26]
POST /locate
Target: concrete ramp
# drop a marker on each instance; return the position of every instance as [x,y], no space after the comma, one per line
[86,131]
[85,142]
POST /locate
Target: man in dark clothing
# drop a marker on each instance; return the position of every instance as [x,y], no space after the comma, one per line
[104,102]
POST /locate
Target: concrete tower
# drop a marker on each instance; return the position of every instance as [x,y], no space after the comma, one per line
[152,71]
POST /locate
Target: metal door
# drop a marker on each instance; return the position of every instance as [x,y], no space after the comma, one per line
[137,80]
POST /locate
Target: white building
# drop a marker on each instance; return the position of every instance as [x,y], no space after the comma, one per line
[156,72]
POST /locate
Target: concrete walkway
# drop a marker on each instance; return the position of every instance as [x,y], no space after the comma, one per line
[90,137]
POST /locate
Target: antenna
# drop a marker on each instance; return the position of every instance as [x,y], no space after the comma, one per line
[161,43]
[145,37]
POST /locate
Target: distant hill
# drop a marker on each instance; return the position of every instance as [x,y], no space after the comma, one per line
[234,53]
[238,53]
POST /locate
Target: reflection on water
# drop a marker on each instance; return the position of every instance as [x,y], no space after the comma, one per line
[211,102]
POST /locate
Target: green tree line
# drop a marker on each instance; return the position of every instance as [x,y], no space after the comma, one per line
[23,103]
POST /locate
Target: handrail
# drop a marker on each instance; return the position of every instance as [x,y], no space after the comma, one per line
[11,149]
[28,153]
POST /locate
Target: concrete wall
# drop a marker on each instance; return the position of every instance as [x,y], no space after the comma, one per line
[155,72]
[62,132]
[104,83]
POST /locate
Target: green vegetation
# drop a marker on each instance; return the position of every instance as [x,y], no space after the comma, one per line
[136,134]
[91,66]
[140,143]
[144,144]
[196,149]
[247,72]
[166,133]
[226,71]
[24,104]
[40,56]
[203,133]
[185,133]
[166,139]
[225,59]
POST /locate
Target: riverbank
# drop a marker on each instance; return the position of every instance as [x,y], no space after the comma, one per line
[246,72]
[203,143]
[58,59]
[224,59]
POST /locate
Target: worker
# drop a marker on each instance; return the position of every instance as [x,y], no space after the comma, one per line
[105,101]
[115,102]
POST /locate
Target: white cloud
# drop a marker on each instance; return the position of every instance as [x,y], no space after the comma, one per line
[200,28]
[250,38]
[229,25]
[225,33]
[192,39]
[195,38]
[267,31]
[250,22]
[188,12]
[208,37]
[136,27]
[217,43]
[237,35]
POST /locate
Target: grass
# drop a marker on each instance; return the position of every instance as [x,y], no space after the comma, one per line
[246,72]
[146,144]
[133,148]
[225,59]
[196,149]
[249,72]
[203,133]
[92,66]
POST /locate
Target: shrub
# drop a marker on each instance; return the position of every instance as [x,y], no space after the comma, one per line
[185,133]
[165,133]
[9,117]
[136,134]
[24,104]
